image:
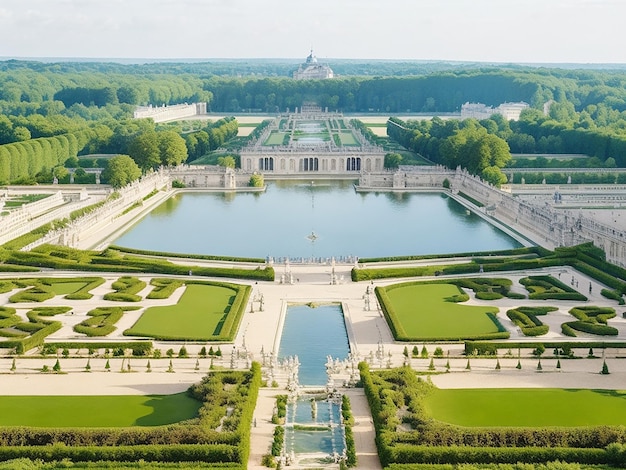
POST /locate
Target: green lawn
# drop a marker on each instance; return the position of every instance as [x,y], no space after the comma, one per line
[64,288]
[198,315]
[97,411]
[527,407]
[424,313]
[347,139]
[275,138]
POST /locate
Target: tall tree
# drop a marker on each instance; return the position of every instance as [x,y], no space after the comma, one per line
[172,148]
[144,149]
[120,171]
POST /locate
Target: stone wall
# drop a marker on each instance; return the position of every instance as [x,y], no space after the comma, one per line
[105,215]
[546,224]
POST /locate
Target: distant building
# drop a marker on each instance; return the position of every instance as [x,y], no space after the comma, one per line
[510,111]
[311,69]
[170,113]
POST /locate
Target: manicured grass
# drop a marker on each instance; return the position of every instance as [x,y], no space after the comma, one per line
[347,139]
[64,288]
[424,313]
[527,407]
[275,138]
[97,411]
[198,315]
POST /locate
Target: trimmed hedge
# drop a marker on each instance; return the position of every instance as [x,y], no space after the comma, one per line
[126,288]
[38,327]
[102,321]
[64,258]
[482,255]
[348,422]
[526,319]
[400,334]
[481,348]
[591,320]
[137,346]
[194,441]
[613,295]
[163,288]
[167,254]
[548,287]
[431,442]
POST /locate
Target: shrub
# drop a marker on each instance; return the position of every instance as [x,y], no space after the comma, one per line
[102,321]
[126,288]
[613,295]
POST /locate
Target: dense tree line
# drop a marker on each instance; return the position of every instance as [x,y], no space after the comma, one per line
[469,144]
[42,101]
[211,137]
[23,161]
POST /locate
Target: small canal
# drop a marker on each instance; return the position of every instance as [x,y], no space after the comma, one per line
[313,427]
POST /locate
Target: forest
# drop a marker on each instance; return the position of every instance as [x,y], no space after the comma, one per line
[90,105]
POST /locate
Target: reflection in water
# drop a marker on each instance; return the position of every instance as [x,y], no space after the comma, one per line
[276,223]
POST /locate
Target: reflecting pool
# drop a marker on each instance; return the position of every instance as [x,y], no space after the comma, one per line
[280,223]
[313,333]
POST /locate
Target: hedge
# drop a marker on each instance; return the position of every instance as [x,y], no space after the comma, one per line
[126,288]
[613,295]
[483,255]
[398,332]
[348,421]
[163,288]
[144,346]
[554,289]
[102,321]
[431,442]
[185,442]
[167,254]
[526,319]
[63,258]
[487,455]
[38,327]
[161,453]
[490,348]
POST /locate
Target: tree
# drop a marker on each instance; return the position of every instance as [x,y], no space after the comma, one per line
[121,171]
[144,150]
[392,160]
[256,181]
[172,148]
[227,161]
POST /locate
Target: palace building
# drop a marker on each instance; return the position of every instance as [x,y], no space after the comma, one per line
[311,141]
[311,69]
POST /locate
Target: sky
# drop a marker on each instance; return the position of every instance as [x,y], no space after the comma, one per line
[510,31]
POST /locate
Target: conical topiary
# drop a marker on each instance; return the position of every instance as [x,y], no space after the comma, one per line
[605,369]
[519,364]
[431,366]
[448,365]
[539,365]
[497,364]
[107,366]
[13,366]
[468,367]
[558,364]
[148,367]
[88,366]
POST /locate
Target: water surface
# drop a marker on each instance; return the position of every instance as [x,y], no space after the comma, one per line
[279,222]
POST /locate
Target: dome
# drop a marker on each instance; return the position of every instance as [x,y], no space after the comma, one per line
[311,59]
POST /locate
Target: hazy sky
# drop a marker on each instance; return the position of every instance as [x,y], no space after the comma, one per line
[583,31]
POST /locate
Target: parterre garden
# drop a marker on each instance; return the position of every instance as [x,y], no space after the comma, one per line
[416,424]
[206,311]
[212,426]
